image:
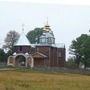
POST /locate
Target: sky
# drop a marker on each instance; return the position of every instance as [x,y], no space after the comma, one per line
[68,18]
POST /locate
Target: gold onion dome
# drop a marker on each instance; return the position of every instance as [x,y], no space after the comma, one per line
[46,27]
[47,37]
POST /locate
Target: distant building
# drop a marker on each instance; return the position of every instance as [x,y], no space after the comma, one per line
[45,54]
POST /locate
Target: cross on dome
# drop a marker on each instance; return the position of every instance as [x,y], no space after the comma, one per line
[47,22]
[23,27]
[46,27]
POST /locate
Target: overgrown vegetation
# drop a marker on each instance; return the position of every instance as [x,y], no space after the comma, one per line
[17,80]
[80,48]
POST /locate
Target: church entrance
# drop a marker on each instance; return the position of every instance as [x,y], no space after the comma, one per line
[39,59]
[38,62]
[20,61]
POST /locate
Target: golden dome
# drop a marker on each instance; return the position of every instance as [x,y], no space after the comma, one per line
[46,27]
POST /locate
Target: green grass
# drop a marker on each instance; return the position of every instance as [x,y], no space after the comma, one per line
[35,80]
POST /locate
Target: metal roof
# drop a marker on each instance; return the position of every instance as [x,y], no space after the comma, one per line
[22,41]
[57,45]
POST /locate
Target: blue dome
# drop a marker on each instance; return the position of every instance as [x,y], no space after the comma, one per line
[47,38]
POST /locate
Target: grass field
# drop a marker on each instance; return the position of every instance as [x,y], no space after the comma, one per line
[33,80]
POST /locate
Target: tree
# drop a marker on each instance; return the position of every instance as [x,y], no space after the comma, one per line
[34,35]
[2,56]
[85,51]
[77,46]
[10,40]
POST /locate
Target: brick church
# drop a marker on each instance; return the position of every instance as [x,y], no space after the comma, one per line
[45,54]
